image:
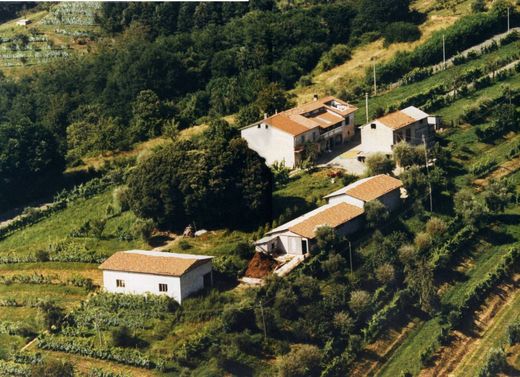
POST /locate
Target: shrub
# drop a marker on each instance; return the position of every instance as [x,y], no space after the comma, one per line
[385,273]
[238,319]
[378,163]
[302,361]
[120,199]
[42,255]
[436,227]
[513,333]
[359,301]
[143,229]
[495,363]
[401,32]
[337,55]
[376,213]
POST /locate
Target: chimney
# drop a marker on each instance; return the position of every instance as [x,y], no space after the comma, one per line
[265,115]
[315,97]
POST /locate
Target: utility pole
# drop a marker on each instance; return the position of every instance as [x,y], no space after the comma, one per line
[263,320]
[375,81]
[366,105]
[350,252]
[508,28]
[444,51]
[427,172]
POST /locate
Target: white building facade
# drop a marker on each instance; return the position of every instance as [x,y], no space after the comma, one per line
[142,272]
[411,125]
[327,122]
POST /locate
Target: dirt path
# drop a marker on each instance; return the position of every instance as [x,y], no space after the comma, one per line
[501,171]
[467,347]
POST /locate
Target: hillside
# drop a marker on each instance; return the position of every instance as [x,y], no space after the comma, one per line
[429,289]
[64,30]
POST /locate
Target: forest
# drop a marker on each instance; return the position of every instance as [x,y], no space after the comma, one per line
[171,63]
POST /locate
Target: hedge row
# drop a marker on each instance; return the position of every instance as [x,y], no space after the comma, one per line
[388,314]
[10,368]
[465,33]
[86,347]
[441,256]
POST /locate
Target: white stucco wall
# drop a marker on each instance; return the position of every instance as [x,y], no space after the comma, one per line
[379,139]
[137,283]
[193,280]
[343,198]
[271,143]
[292,243]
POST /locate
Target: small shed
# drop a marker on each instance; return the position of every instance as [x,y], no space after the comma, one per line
[23,22]
[157,272]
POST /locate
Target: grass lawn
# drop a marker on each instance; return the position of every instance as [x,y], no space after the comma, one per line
[58,226]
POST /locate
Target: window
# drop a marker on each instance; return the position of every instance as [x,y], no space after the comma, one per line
[120,283]
[373,126]
[258,126]
[266,126]
[163,287]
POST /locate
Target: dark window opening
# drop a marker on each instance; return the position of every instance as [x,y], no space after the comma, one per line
[163,287]
[120,283]
[304,246]
[373,126]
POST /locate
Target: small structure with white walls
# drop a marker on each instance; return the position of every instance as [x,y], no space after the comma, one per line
[23,22]
[382,187]
[411,125]
[157,272]
[344,212]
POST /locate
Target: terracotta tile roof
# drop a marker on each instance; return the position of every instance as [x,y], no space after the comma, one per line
[373,187]
[326,119]
[396,120]
[334,216]
[153,262]
[283,122]
[294,122]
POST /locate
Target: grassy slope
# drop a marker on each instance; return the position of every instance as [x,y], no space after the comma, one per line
[60,42]
[363,57]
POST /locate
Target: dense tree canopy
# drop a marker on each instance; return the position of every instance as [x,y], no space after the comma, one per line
[28,157]
[217,181]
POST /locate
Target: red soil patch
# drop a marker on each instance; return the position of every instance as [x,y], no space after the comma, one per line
[260,266]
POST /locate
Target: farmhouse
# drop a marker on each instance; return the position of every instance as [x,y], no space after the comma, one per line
[157,272]
[410,125]
[325,123]
[382,187]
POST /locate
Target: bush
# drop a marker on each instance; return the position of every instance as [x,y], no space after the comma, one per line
[120,199]
[337,55]
[359,301]
[401,32]
[302,361]
[143,229]
[378,163]
[495,363]
[513,333]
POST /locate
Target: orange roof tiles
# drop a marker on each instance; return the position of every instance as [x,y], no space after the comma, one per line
[397,120]
[297,120]
[374,188]
[286,124]
[334,216]
[153,262]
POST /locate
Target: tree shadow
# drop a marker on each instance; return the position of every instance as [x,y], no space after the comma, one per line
[159,240]
[497,237]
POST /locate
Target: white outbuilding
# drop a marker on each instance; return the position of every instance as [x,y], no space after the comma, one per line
[380,187]
[157,272]
[411,125]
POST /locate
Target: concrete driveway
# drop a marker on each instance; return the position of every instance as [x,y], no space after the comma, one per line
[344,157]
